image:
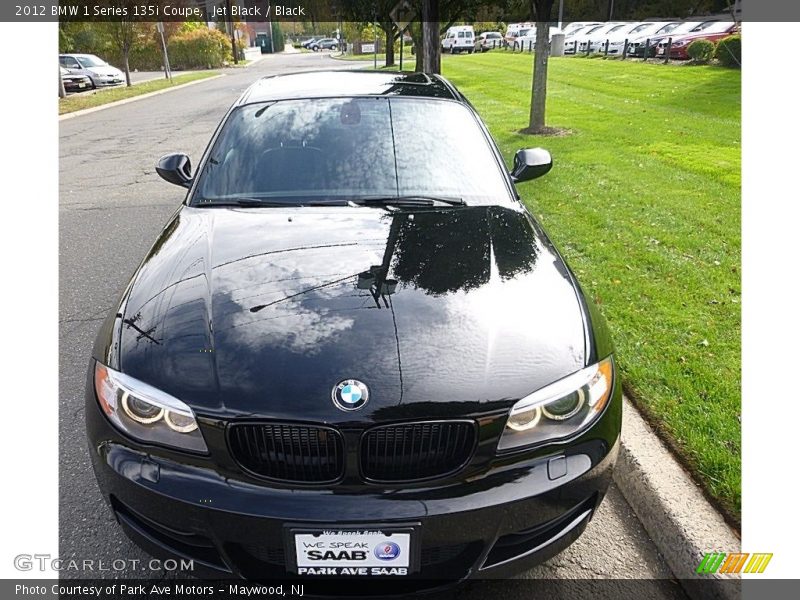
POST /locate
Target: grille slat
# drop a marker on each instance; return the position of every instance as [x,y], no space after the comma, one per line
[413,451]
[292,453]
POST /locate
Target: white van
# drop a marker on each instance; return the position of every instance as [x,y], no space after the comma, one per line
[513,29]
[459,38]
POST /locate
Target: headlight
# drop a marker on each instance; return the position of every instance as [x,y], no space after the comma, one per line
[146,413]
[561,409]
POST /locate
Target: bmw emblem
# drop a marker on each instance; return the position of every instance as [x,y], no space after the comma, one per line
[350,394]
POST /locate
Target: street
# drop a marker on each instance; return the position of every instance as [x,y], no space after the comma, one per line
[112,205]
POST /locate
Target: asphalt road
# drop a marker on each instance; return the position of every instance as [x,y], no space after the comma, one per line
[112,205]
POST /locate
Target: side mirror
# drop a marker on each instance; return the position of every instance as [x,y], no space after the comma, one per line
[175,168]
[530,164]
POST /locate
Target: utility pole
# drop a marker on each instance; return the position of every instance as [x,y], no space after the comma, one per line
[610,10]
[561,14]
[167,69]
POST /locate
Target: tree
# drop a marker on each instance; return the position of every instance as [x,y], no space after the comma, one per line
[123,33]
[380,10]
[541,11]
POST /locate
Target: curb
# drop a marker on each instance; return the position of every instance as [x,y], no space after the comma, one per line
[87,111]
[672,509]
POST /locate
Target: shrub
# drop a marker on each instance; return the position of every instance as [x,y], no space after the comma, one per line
[729,51]
[701,50]
[145,56]
[279,39]
[201,48]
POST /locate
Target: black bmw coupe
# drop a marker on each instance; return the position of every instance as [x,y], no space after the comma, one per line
[352,351]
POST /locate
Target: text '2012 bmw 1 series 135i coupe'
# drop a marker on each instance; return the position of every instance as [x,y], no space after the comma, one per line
[352,351]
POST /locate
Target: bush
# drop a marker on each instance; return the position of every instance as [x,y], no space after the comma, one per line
[201,48]
[701,50]
[279,39]
[729,51]
[145,56]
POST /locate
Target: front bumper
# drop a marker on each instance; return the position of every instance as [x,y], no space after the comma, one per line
[103,81]
[495,525]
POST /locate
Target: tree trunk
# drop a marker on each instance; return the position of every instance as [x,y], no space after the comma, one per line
[539,90]
[431,48]
[126,64]
[416,38]
[389,36]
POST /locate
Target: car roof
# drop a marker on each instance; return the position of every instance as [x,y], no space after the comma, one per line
[338,84]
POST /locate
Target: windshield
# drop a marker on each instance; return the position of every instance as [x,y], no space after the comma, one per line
[90,61]
[668,28]
[351,148]
[718,27]
[642,27]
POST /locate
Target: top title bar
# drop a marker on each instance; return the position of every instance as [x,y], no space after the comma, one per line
[366,11]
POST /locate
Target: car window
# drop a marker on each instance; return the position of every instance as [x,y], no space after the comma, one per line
[668,28]
[352,147]
[91,61]
[718,27]
[703,26]
[593,29]
[461,34]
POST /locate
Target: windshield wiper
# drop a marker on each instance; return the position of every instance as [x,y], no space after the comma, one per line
[259,202]
[415,200]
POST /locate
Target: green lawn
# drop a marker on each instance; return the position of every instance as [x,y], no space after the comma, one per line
[99,97]
[644,202]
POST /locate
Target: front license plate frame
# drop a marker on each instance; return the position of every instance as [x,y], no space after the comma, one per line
[373,567]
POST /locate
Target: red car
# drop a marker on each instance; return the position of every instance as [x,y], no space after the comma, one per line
[714,31]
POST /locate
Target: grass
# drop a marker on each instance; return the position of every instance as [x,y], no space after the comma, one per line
[99,97]
[644,203]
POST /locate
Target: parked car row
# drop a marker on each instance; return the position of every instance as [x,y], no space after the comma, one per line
[651,38]
[645,37]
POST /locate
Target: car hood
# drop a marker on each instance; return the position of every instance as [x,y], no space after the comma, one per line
[261,312]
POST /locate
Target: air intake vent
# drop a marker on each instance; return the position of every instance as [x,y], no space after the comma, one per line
[414,451]
[288,452]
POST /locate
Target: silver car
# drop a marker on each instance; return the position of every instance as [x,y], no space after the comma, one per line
[99,71]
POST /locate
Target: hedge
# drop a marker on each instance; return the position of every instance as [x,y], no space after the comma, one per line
[199,49]
[729,51]
[701,50]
